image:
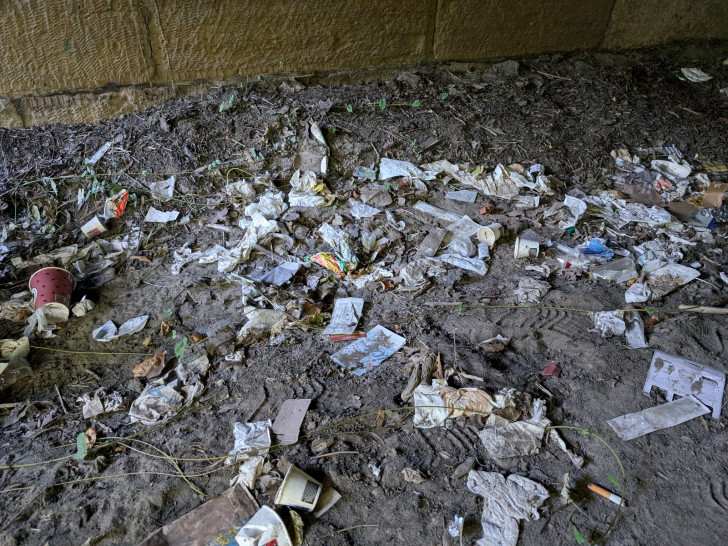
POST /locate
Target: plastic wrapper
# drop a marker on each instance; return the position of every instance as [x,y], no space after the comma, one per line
[634,425]
[160,217]
[621,270]
[608,323]
[270,205]
[262,322]
[464,196]
[634,330]
[330,262]
[672,169]
[100,402]
[360,210]
[462,246]
[265,528]
[506,501]
[346,315]
[436,403]
[251,440]
[441,214]
[393,168]
[374,274]
[163,189]
[419,272]
[668,278]
[305,190]
[368,352]
[476,265]
[108,331]
[637,293]
[339,241]
[281,274]
[530,290]
[164,397]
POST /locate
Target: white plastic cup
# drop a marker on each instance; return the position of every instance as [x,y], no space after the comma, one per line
[298,490]
[93,227]
[526,248]
[490,233]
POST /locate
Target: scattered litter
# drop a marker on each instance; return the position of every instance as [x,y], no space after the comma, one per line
[495,344]
[288,421]
[368,352]
[251,440]
[298,490]
[164,397]
[375,274]
[151,366]
[505,502]
[455,527]
[93,227]
[411,475]
[616,499]
[551,369]
[339,241]
[359,210]
[476,265]
[265,528]
[634,425]
[100,402]
[436,403]
[490,233]
[465,196]
[98,155]
[441,214]
[634,330]
[432,241]
[695,75]
[163,189]
[160,217]
[82,307]
[306,190]
[109,332]
[668,278]
[329,261]
[393,168]
[281,274]
[262,322]
[609,323]
[215,522]
[346,315]
[530,290]
[526,247]
[637,293]
[683,377]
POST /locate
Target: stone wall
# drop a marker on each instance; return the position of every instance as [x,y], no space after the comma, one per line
[85,60]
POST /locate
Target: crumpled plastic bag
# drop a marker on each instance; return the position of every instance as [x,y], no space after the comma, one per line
[99,402]
[608,323]
[166,396]
[505,502]
[530,290]
[262,322]
[305,190]
[436,403]
[109,332]
[668,278]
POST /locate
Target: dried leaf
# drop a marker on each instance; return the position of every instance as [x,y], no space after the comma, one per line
[166,328]
[151,366]
[90,438]
[439,373]
[197,337]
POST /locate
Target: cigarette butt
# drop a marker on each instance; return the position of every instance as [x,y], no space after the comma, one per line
[616,499]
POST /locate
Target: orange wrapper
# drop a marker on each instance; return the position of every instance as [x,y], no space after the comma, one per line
[329,261]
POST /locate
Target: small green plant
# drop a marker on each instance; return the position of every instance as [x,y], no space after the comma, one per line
[179,348]
[81,447]
[578,536]
[444,96]
[332,130]
[382,104]
[416,104]
[349,108]
[166,313]
[227,104]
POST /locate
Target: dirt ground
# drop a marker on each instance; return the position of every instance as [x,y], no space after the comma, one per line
[567,112]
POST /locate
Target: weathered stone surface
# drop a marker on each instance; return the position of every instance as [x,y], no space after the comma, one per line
[54,45]
[200,39]
[652,22]
[486,29]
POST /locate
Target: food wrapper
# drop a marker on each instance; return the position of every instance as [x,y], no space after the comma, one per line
[329,261]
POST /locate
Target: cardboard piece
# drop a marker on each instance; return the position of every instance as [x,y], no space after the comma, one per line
[713,197]
[215,522]
[288,422]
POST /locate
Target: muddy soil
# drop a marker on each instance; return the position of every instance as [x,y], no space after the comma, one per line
[566,112]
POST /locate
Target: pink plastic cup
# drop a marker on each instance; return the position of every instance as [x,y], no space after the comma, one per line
[51,285]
